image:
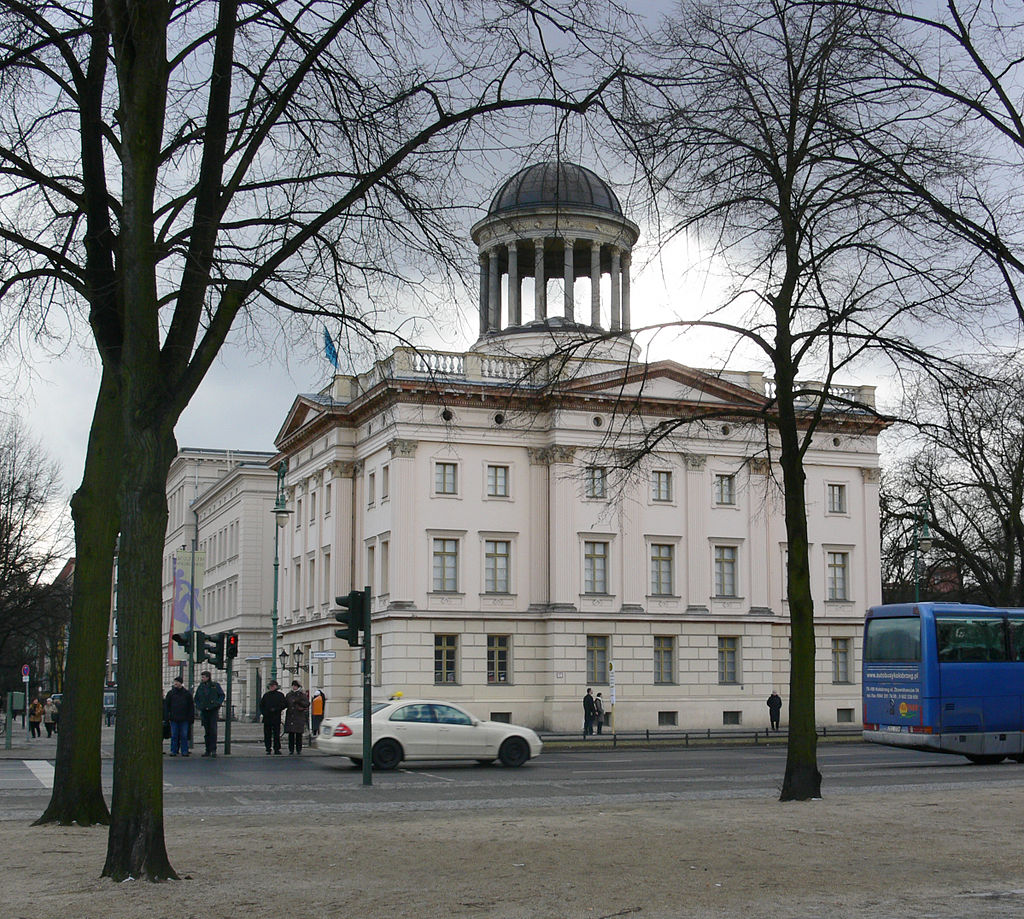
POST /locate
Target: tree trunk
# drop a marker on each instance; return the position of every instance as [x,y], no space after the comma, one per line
[135,847]
[802,780]
[77,792]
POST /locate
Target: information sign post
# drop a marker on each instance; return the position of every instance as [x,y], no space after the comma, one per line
[24,678]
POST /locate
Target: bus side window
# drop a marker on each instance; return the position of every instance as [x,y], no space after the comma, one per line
[1016,639]
[973,640]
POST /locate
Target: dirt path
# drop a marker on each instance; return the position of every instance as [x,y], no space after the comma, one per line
[958,854]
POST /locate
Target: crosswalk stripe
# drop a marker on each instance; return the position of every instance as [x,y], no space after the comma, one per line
[42,770]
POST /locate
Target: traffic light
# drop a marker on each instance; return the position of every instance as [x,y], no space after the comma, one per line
[185,639]
[230,645]
[199,645]
[213,649]
[353,615]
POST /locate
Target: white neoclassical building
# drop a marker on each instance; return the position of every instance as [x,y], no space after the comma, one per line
[221,502]
[513,559]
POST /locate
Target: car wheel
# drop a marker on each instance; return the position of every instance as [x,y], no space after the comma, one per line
[985,759]
[387,754]
[514,752]
[356,761]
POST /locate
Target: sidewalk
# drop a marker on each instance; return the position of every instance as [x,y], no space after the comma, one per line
[247,740]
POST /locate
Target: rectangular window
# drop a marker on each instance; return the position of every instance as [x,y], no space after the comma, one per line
[664,657]
[728,649]
[445,647]
[497,658]
[371,569]
[837,499]
[837,576]
[840,660]
[445,478]
[497,481]
[385,482]
[298,513]
[385,561]
[327,576]
[446,565]
[661,570]
[312,582]
[496,565]
[595,482]
[597,659]
[668,719]
[595,567]
[725,489]
[725,571]
[661,485]
[970,639]
[371,489]
[312,506]
[297,588]
[327,500]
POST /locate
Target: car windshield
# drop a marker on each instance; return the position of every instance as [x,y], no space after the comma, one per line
[376,707]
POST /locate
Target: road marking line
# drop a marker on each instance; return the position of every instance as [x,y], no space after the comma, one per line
[42,770]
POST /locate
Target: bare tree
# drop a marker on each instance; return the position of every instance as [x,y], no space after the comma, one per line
[33,540]
[763,126]
[960,471]
[963,59]
[175,166]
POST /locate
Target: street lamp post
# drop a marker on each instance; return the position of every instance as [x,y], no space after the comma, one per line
[281,518]
[922,543]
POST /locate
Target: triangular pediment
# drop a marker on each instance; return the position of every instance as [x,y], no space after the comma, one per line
[668,381]
[304,411]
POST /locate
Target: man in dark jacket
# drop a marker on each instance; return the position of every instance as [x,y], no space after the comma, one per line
[589,711]
[271,706]
[179,710]
[209,699]
[774,708]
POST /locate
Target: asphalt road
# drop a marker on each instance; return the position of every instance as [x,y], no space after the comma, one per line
[250,785]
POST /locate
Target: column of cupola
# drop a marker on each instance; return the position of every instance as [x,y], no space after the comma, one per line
[502,260]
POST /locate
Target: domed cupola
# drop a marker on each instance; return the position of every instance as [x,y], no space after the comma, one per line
[553,221]
[552,184]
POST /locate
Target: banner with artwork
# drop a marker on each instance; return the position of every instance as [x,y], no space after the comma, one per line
[186,608]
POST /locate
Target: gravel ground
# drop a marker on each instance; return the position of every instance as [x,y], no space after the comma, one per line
[901,853]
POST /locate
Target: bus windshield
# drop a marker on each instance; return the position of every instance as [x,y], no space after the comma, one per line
[891,639]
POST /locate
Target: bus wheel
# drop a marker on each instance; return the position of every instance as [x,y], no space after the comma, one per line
[985,759]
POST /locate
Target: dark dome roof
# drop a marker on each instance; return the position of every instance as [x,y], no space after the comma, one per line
[553,184]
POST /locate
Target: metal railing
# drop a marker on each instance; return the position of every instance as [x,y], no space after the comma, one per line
[684,738]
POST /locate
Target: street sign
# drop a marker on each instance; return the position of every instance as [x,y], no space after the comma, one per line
[323,655]
[24,672]
[611,681]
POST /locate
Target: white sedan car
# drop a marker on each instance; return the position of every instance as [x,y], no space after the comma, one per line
[410,729]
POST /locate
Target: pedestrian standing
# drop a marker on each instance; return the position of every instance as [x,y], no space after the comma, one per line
[599,712]
[316,711]
[589,708]
[295,719]
[271,706]
[209,699]
[179,710]
[774,708]
[49,716]
[35,718]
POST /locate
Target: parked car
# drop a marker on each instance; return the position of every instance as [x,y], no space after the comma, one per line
[419,729]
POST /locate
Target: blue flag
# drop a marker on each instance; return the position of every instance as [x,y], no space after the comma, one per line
[329,349]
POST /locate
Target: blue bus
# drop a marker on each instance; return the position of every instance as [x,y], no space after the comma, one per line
[945,677]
